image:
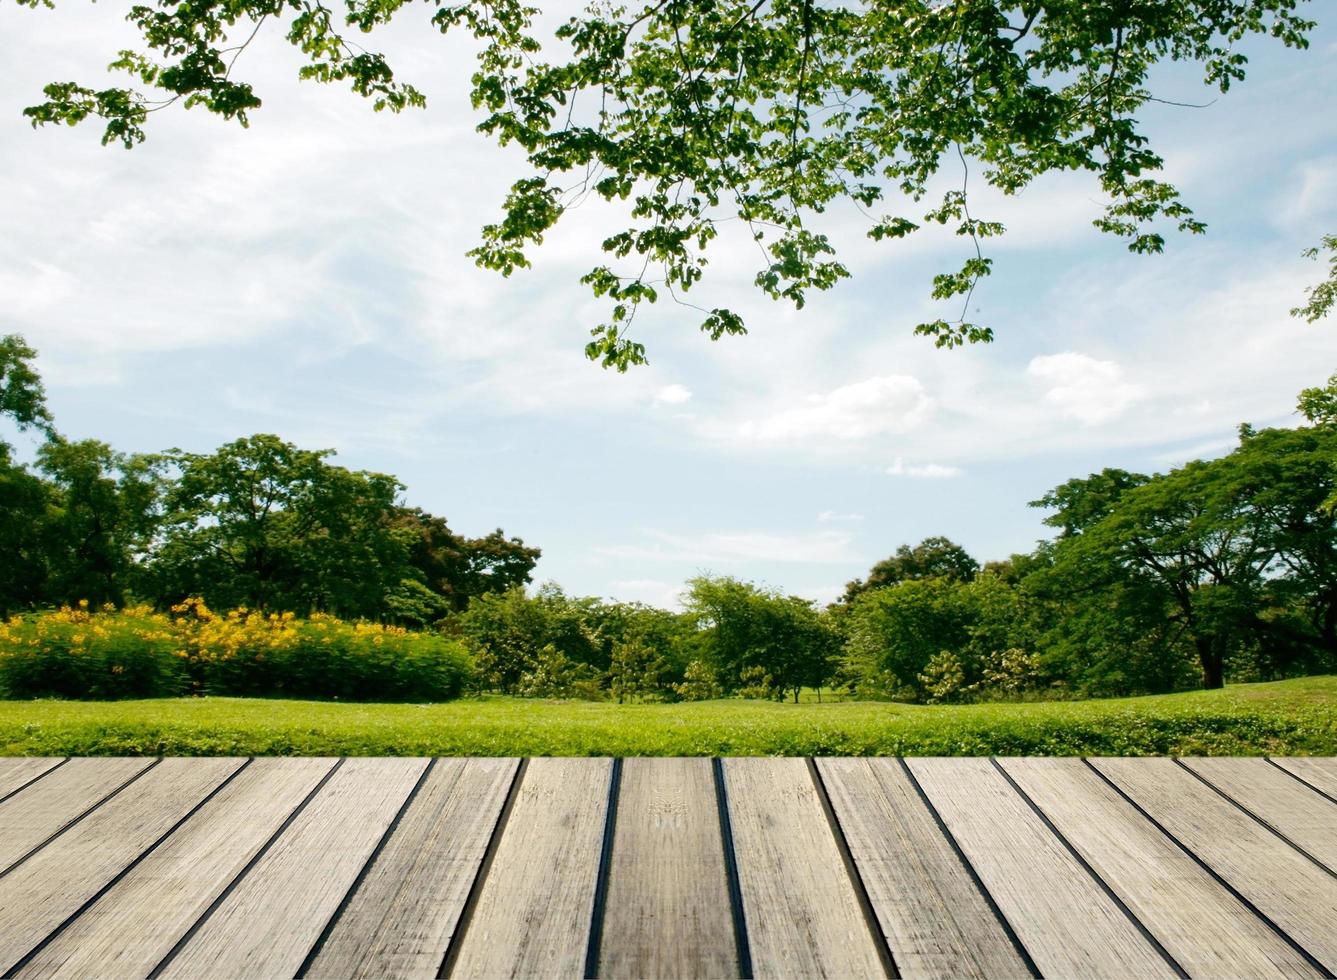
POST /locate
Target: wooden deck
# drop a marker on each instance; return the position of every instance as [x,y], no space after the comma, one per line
[668,867]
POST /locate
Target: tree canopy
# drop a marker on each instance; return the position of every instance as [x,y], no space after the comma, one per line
[698,113]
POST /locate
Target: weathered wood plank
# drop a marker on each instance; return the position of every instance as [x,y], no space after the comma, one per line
[1278,800]
[399,921]
[1281,882]
[668,893]
[56,800]
[128,931]
[17,772]
[532,917]
[266,926]
[1320,773]
[1208,931]
[936,920]
[1066,922]
[802,910]
[45,890]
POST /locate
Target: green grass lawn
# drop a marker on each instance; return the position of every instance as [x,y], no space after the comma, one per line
[1287,717]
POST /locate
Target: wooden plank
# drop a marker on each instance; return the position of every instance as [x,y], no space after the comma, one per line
[1278,800]
[45,890]
[532,916]
[1042,889]
[1320,773]
[668,892]
[17,772]
[936,920]
[57,800]
[134,925]
[803,913]
[400,920]
[1280,881]
[267,924]
[1208,931]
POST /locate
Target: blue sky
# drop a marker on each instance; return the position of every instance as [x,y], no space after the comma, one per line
[307,277]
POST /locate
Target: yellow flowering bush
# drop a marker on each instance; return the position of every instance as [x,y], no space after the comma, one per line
[77,653]
[243,652]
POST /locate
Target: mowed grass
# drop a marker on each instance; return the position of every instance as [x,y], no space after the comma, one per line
[1286,717]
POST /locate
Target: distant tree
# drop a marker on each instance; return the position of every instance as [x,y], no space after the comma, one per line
[1194,539]
[459,568]
[746,627]
[935,557]
[103,514]
[25,511]
[22,395]
[25,500]
[510,632]
[1084,501]
[263,523]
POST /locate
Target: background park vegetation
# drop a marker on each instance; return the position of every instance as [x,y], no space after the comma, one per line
[331,588]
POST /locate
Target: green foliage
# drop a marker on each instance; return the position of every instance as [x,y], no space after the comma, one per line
[1289,717]
[72,654]
[935,557]
[456,568]
[943,640]
[555,676]
[745,627]
[1319,405]
[100,526]
[22,396]
[699,683]
[1323,295]
[943,679]
[137,653]
[262,523]
[691,115]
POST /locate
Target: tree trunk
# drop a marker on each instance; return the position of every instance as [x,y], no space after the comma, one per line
[1212,662]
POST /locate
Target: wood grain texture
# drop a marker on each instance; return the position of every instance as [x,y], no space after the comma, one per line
[1278,800]
[270,921]
[668,895]
[1068,924]
[58,799]
[1320,773]
[532,918]
[399,922]
[1208,931]
[1285,885]
[45,890]
[802,910]
[15,772]
[937,922]
[128,931]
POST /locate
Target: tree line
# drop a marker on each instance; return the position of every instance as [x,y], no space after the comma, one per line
[1218,570]
[259,523]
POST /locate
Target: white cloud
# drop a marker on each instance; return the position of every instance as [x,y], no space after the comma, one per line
[830,516]
[674,394]
[1208,449]
[923,471]
[889,404]
[703,550]
[1084,388]
[1310,196]
[651,591]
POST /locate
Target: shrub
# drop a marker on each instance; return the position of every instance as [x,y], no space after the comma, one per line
[135,653]
[74,653]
